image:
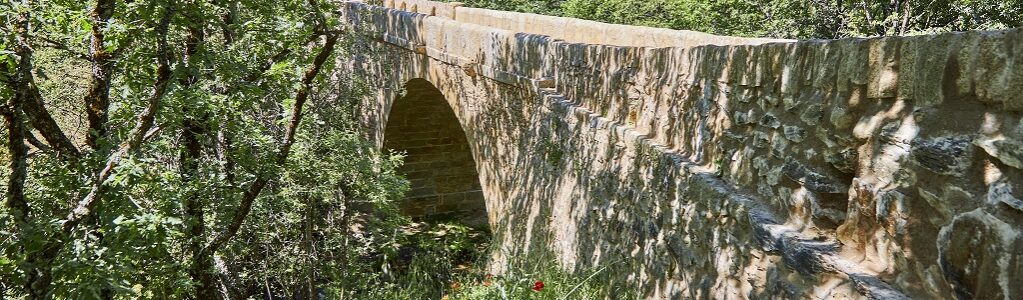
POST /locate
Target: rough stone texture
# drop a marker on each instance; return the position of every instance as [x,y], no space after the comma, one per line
[701,166]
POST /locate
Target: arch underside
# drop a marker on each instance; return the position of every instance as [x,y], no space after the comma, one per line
[439,163]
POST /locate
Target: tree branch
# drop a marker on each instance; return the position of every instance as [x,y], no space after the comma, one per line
[31,101]
[43,121]
[84,208]
[15,194]
[48,42]
[32,140]
[284,149]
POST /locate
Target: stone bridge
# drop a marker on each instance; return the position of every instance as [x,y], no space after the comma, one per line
[688,165]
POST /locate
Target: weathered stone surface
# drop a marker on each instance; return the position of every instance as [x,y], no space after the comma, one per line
[761,139]
[1001,193]
[948,155]
[795,133]
[813,181]
[813,114]
[840,118]
[741,118]
[699,166]
[1007,151]
[769,120]
[980,257]
[842,159]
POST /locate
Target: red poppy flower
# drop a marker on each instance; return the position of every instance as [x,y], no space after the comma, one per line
[538,286]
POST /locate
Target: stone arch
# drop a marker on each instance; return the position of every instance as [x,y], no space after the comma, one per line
[439,163]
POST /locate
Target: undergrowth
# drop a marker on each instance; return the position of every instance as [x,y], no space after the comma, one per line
[450,261]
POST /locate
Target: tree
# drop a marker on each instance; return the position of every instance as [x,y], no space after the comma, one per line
[106,210]
[787,18]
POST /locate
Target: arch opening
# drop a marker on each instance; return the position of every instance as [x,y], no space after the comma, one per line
[445,185]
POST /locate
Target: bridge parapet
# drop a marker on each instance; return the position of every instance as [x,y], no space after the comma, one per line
[570,29]
[429,8]
[903,153]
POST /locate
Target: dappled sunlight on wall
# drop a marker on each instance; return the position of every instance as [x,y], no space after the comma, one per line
[731,168]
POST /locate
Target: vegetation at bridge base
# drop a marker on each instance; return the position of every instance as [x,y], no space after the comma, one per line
[540,279]
[785,18]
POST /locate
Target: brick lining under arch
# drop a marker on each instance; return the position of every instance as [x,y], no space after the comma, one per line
[439,161]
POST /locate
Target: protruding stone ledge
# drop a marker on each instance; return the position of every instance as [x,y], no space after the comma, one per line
[806,255]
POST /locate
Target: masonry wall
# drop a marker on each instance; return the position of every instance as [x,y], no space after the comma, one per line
[727,167]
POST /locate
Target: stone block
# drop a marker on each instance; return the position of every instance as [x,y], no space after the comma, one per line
[813,181]
[795,133]
[1007,151]
[945,155]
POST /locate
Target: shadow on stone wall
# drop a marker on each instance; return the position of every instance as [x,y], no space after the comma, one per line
[588,192]
[824,168]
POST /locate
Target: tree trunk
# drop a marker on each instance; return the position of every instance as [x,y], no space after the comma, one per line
[40,277]
[37,264]
[202,262]
[192,132]
[202,272]
[98,98]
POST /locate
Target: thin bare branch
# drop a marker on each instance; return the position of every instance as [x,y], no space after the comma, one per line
[51,43]
[32,140]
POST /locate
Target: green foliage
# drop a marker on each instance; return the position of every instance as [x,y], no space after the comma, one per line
[519,281]
[334,208]
[786,18]
[450,261]
[137,243]
[557,285]
[548,7]
[422,261]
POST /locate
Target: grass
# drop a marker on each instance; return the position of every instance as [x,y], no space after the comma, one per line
[450,262]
